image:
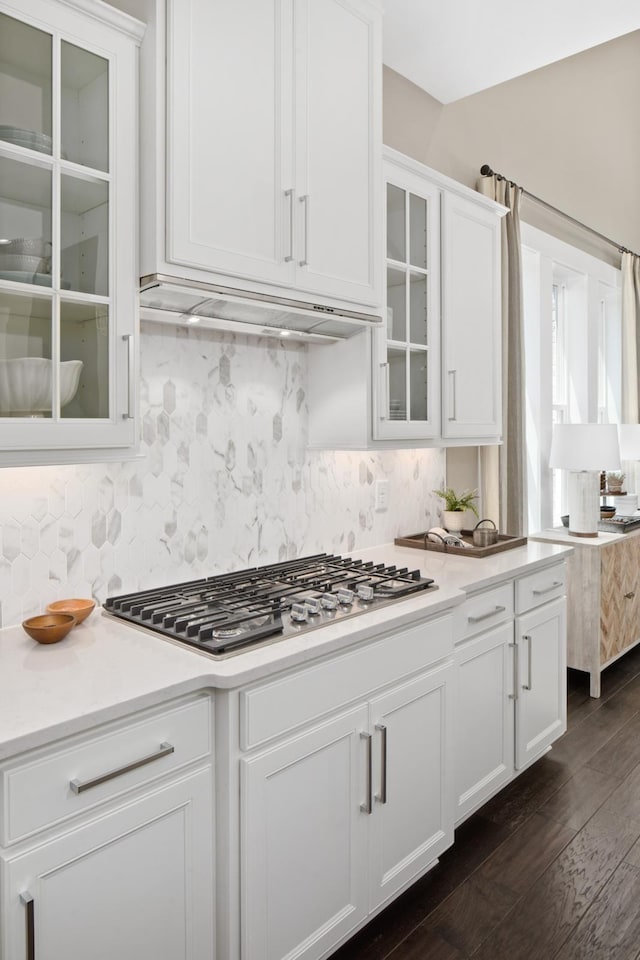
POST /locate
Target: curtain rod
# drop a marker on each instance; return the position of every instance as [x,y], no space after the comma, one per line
[486,171]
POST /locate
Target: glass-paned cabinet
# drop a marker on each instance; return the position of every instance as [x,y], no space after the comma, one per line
[68,230]
[407,355]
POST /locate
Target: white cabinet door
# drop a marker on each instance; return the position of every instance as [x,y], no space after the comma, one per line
[484,737]
[132,884]
[471,327]
[412,821]
[407,365]
[541,705]
[337,136]
[68,202]
[304,841]
[230,199]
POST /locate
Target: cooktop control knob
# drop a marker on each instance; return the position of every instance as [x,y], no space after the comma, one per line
[329,601]
[313,606]
[345,597]
[365,592]
[299,612]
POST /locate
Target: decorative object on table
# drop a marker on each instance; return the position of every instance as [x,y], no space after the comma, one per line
[455,506]
[465,547]
[485,536]
[79,608]
[49,627]
[629,436]
[619,524]
[26,388]
[440,535]
[625,506]
[606,512]
[584,449]
[615,479]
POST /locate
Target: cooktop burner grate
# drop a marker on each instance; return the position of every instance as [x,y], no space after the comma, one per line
[223,614]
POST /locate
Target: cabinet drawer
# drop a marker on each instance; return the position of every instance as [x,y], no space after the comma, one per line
[70,780]
[540,587]
[484,610]
[276,708]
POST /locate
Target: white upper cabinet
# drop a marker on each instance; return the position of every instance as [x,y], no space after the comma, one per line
[262,167]
[431,374]
[68,230]
[471,331]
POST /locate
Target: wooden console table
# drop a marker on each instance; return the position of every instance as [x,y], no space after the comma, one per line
[603,598]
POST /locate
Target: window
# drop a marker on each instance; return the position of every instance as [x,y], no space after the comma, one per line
[573,356]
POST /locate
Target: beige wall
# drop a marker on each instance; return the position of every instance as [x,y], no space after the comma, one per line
[569,132]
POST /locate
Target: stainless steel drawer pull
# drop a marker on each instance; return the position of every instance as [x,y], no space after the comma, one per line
[27,899]
[485,616]
[527,686]
[382,796]
[289,257]
[79,786]
[367,807]
[514,695]
[552,586]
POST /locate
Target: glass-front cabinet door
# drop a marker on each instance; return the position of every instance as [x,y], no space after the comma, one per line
[407,355]
[68,231]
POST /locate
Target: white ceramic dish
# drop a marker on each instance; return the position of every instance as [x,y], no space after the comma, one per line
[41,279]
[26,264]
[25,384]
[26,247]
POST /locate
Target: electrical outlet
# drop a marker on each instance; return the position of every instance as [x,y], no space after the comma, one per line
[382,495]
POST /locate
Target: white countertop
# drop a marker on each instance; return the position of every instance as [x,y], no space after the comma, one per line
[562,535]
[105,669]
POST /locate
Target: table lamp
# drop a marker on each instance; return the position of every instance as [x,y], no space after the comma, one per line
[584,449]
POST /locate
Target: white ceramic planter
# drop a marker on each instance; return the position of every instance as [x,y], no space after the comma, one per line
[453,520]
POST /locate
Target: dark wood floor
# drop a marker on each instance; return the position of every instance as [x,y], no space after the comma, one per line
[550,868]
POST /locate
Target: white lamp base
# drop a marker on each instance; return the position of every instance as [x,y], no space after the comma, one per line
[584,503]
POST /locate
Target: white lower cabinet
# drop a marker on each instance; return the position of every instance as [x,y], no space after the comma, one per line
[134,883]
[337,820]
[123,864]
[541,670]
[511,683]
[484,740]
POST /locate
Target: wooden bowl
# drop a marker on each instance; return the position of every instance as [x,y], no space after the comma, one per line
[80,609]
[49,627]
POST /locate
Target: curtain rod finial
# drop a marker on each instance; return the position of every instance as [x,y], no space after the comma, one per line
[486,170]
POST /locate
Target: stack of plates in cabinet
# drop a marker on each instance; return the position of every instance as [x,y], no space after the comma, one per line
[30,139]
[26,260]
[397,410]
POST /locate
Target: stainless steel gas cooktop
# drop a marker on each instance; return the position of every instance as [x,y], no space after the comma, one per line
[225,614]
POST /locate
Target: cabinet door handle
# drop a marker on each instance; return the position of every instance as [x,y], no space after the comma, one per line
[485,616]
[384,415]
[79,786]
[452,374]
[367,807]
[552,586]
[289,195]
[514,695]
[630,595]
[305,200]
[382,796]
[128,338]
[27,899]
[528,686]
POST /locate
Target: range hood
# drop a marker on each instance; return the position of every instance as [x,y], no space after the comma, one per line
[165,299]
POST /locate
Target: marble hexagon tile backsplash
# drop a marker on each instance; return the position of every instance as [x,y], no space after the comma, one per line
[224,481]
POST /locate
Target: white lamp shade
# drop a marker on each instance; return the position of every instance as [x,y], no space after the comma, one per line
[585,446]
[629,434]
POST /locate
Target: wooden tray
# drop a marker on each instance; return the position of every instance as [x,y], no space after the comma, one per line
[420,541]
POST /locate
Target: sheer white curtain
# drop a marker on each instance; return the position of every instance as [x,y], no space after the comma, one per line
[503,470]
[630,337]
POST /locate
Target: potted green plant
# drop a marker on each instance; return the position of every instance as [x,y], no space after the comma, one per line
[455,506]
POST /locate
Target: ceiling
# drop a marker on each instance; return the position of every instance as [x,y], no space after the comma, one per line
[454,49]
